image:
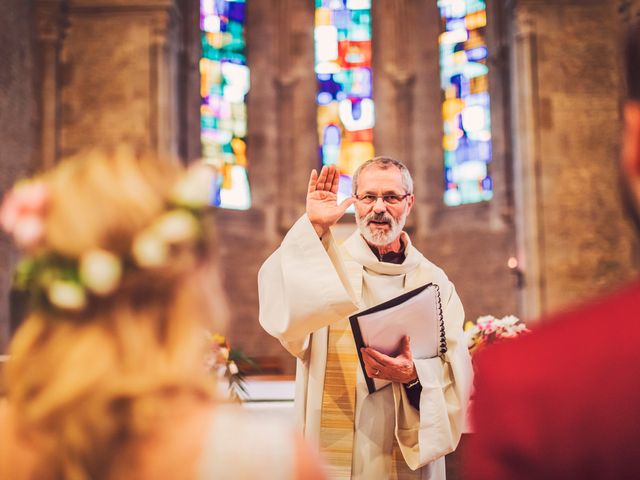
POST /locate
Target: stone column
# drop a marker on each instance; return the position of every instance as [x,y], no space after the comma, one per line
[526,160]
[394,74]
[50,23]
[120,75]
[19,134]
[294,82]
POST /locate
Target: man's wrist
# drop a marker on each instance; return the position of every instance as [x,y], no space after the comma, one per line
[320,231]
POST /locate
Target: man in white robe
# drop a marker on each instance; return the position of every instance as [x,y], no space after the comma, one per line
[310,283]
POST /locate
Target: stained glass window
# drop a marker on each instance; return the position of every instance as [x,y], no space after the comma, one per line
[344,96]
[465,104]
[224,84]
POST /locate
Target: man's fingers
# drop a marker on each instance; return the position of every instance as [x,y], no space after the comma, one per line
[331,174]
[371,366]
[322,178]
[313,179]
[377,356]
[336,182]
[371,361]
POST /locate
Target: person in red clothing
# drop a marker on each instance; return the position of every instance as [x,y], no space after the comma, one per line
[564,402]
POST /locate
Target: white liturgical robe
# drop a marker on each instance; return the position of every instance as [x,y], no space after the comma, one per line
[308,284]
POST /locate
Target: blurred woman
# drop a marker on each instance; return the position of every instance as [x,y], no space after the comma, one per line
[106,377]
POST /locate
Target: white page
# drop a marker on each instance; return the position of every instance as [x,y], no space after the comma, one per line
[418,317]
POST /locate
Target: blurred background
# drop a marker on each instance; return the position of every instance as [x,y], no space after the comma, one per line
[508,114]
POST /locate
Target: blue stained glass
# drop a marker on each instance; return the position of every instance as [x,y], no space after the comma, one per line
[332,135]
[236,12]
[356,110]
[456,24]
[220,8]
[477,54]
[324,98]
[341,19]
[330,85]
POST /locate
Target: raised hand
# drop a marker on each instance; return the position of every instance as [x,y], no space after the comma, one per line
[323,209]
[399,369]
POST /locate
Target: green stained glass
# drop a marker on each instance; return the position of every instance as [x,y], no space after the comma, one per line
[466,115]
[224,87]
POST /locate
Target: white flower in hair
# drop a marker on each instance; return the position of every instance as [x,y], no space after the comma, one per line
[149,250]
[177,226]
[195,188]
[233,368]
[100,271]
[67,295]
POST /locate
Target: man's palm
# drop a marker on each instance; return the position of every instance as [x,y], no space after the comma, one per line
[323,209]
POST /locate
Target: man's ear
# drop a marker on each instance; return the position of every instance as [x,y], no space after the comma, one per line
[410,200]
[631,143]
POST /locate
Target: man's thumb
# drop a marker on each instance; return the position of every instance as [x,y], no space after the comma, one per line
[346,203]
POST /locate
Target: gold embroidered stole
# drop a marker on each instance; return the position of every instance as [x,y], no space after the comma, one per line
[339,401]
[339,395]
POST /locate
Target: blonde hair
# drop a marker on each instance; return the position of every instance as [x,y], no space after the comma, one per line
[85,385]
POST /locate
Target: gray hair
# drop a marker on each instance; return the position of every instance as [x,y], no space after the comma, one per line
[384,163]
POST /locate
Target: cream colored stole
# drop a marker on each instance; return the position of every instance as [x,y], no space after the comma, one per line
[339,401]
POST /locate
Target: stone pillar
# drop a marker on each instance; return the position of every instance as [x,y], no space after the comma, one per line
[50,23]
[18,128]
[120,75]
[394,76]
[573,239]
[294,82]
[524,131]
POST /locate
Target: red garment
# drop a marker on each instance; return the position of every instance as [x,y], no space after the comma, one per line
[564,401]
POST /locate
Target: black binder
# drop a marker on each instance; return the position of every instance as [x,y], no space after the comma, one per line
[440,341]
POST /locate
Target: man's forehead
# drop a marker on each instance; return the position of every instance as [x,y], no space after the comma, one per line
[375,177]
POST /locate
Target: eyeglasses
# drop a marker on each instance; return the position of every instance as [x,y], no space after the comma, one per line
[389,199]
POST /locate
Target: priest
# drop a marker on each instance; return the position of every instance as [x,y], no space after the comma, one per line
[308,288]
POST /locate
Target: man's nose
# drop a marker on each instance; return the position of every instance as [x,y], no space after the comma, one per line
[379,206]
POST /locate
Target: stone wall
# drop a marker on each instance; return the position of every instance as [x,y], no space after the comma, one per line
[18,123]
[119,79]
[574,240]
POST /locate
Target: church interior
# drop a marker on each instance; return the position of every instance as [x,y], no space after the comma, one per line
[507,113]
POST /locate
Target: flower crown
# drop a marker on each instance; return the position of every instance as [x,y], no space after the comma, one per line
[68,284]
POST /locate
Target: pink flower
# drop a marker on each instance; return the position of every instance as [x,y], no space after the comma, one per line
[28,232]
[22,213]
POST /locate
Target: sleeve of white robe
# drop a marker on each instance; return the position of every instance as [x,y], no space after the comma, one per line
[446,381]
[302,287]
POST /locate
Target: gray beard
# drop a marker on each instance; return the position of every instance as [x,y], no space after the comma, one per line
[377,237]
